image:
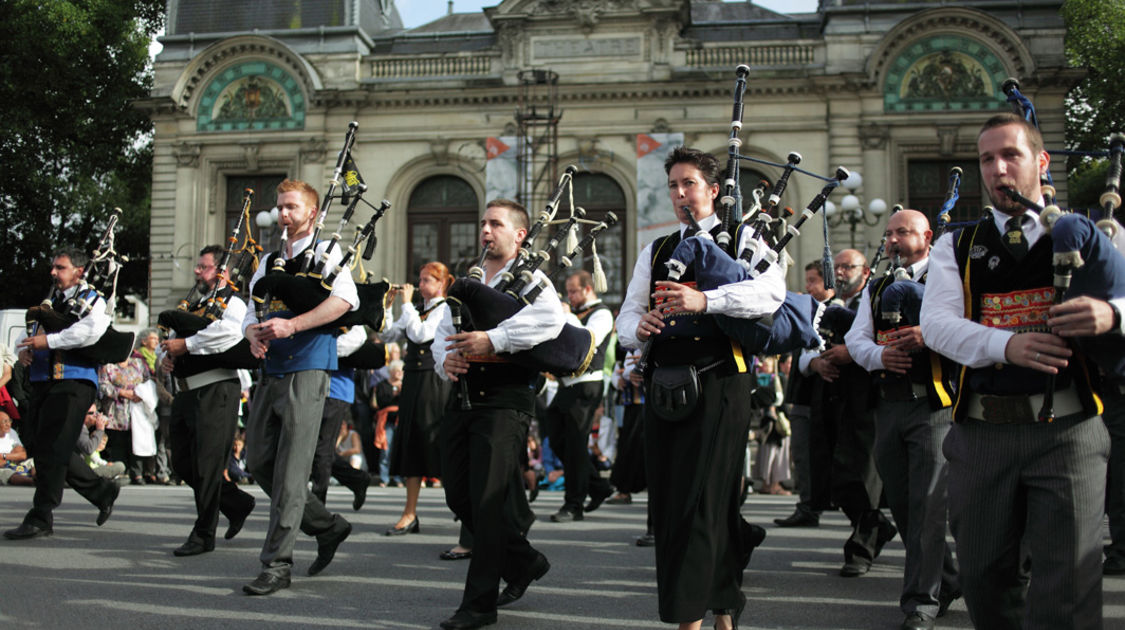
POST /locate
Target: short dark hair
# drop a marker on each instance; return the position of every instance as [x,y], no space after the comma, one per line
[77,257]
[1034,136]
[705,162]
[817,266]
[216,252]
[585,280]
[516,211]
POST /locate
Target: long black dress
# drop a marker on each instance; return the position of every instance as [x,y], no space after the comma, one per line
[415,451]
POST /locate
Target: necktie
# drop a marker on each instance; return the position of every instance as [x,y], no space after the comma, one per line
[1014,240]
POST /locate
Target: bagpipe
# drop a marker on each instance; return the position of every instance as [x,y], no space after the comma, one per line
[1085,260]
[199,309]
[298,285]
[476,306]
[99,282]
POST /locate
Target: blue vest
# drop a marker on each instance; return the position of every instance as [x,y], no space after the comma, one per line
[341,385]
[59,365]
[307,350]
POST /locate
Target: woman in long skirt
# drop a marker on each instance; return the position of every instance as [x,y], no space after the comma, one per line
[414,452]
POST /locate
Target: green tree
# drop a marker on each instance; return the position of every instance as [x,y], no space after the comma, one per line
[1095,40]
[71,145]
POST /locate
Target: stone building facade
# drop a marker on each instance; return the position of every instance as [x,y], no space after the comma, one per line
[894,90]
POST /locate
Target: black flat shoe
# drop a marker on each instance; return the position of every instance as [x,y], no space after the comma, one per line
[328,542]
[360,493]
[515,590]
[449,554]
[266,583]
[105,512]
[597,498]
[467,620]
[27,531]
[411,528]
[238,521]
[193,547]
[566,515]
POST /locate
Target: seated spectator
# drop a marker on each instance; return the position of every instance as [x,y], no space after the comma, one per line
[236,468]
[92,441]
[15,468]
[349,447]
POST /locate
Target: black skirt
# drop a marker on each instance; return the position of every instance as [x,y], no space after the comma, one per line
[415,451]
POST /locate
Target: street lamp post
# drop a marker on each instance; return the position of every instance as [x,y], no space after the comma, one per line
[851,208]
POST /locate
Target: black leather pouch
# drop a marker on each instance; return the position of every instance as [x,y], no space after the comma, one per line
[675,392]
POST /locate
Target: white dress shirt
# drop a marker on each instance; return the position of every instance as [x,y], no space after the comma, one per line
[540,321]
[84,332]
[411,326]
[600,325]
[860,338]
[343,287]
[747,299]
[223,333]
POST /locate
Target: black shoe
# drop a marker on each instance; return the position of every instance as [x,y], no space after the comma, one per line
[467,620]
[886,534]
[515,590]
[327,542]
[266,583]
[410,528]
[533,494]
[360,492]
[26,531]
[752,538]
[1114,565]
[944,601]
[798,519]
[597,497]
[567,514]
[105,512]
[193,547]
[917,621]
[855,567]
[238,521]
[449,554]
[648,540]
[620,498]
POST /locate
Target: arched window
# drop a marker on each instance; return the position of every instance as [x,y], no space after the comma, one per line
[442,224]
[599,195]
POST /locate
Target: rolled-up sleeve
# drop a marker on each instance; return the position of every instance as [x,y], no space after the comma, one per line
[84,332]
[540,321]
[222,334]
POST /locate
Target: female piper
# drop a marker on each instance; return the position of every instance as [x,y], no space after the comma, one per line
[414,452]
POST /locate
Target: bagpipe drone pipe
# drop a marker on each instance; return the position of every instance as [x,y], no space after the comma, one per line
[793,326]
[54,314]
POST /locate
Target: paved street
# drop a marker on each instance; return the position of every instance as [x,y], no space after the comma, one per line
[123,575]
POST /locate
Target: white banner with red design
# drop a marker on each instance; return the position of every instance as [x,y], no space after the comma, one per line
[655,216]
[501,169]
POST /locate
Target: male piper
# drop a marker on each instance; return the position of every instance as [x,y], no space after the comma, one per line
[844,433]
[205,413]
[1018,486]
[286,411]
[481,447]
[912,418]
[63,386]
[571,414]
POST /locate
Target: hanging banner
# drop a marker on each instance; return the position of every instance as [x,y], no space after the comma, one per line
[500,170]
[654,212]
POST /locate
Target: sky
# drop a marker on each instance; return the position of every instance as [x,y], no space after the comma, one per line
[418,12]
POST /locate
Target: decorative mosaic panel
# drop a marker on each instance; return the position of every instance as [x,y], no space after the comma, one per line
[252,95]
[944,72]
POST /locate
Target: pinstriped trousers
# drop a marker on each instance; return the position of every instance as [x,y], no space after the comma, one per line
[1034,487]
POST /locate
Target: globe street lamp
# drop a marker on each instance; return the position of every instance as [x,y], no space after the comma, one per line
[851,208]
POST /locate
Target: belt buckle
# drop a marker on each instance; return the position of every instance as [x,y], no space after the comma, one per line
[1007,409]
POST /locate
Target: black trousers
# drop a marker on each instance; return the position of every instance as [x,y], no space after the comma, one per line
[202,427]
[325,462]
[569,419]
[481,477]
[57,411]
[629,466]
[694,468]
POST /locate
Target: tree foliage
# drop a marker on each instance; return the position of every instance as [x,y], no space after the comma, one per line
[1095,40]
[72,147]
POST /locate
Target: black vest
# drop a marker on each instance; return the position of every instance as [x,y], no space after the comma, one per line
[995,279]
[693,338]
[598,362]
[417,356]
[926,366]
